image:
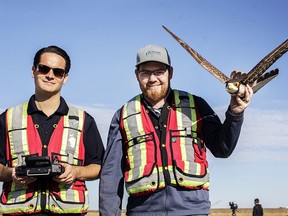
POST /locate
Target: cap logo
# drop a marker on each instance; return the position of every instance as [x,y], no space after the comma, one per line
[152,52]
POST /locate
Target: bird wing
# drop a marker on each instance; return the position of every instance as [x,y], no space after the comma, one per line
[202,61]
[265,63]
[263,80]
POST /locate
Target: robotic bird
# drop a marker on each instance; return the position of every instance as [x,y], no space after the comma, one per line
[256,78]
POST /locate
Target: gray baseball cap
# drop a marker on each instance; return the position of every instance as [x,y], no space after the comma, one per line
[153,53]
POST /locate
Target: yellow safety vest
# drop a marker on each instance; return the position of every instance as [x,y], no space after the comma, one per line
[23,139]
[187,165]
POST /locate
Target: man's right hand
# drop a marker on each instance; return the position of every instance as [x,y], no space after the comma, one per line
[21,180]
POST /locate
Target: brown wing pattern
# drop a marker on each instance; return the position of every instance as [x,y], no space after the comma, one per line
[263,80]
[202,61]
[265,63]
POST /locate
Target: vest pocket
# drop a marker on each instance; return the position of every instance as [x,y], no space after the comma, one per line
[189,162]
[189,156]
[141,174]
[69,193]
[18,197]
[145,184]
[140,157]
[64,204]
[14,194]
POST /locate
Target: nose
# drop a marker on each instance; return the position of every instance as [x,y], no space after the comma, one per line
[152,76]
[50,74]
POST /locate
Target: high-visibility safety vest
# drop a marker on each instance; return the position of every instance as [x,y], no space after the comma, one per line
[66,142]
[144,167]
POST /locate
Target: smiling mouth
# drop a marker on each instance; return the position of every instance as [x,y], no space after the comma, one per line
[153,86]
[48,82]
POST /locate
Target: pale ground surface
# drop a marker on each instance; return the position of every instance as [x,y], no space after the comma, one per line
[227,212]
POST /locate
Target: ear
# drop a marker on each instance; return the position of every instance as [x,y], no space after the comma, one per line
[170,73]
[65,79]
[33,71]
[136,74]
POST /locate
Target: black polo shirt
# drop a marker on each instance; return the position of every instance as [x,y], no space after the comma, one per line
[93,144]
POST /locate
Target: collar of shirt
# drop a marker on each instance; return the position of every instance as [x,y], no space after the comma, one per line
[62,109]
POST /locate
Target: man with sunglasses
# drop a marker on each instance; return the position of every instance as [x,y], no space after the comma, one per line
[57,146]
[157,145]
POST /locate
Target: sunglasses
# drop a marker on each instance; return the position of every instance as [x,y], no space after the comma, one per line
[58,72]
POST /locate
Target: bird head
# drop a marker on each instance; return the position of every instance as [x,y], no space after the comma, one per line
[234,85]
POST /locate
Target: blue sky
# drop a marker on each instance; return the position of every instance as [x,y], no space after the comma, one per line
[102,38]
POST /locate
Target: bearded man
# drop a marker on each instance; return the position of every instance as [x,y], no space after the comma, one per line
[157,145]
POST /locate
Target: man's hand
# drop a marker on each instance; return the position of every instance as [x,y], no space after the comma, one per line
[21,180]
[237,104]
[69,176]
[81,173]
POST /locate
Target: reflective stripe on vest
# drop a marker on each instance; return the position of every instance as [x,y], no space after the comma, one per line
[62,198]
[187,166]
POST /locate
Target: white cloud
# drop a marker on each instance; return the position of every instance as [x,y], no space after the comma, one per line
[264,135]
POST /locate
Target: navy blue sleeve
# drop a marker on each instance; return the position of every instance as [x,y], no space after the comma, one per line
[94,149]
[111,180]
[220,138]
[3,138]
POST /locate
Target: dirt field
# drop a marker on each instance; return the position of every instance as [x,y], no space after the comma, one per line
[227,212]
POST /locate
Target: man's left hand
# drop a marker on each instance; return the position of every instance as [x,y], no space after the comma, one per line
[69,176]
[237,104]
